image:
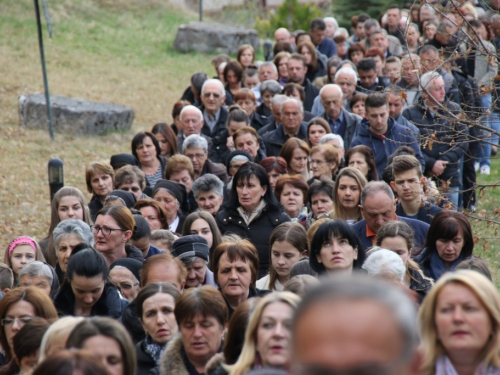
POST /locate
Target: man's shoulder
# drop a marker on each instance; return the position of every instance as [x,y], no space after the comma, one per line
[417,225]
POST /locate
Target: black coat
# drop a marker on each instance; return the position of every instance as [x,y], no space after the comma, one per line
[219,127]
[275,140]
[311,92]
[145,363]
[130,321]
[110,304]
[452,137]
[94,206]
[258,232]
[418,284]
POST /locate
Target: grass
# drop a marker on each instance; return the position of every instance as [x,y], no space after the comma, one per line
[117,51]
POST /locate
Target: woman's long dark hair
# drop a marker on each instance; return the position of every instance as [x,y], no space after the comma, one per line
[369,158]
[334,229]
[244,173]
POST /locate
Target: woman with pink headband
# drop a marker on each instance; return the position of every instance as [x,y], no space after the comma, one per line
[20,252]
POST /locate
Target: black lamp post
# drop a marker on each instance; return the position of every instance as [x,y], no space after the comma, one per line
[56,176]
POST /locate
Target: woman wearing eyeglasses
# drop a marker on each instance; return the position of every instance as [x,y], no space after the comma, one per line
[112,230]
[18,307]
[86,291]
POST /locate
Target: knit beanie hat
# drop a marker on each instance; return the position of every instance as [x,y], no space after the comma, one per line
[191,246]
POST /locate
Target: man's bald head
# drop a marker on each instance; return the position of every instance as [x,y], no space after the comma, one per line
[282,35]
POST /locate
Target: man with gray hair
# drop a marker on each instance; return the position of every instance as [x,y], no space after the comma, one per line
[40,275]
[215,115]
[393,47]
[341,122]
[378,207]
[435,116]
[195,147]
[191,119]
[374,330]
[275,119]
[292,125]
[208,191]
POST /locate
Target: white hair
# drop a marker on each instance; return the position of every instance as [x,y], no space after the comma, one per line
[294,100]
[188,108]
[215,81]
[329,137]
[331,85]
[383,262]
[341,31]
[195,140]
[348,71]
[427,78]
[279,99]
[332,20]
[268,63]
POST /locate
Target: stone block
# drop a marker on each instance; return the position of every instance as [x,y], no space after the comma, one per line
[214,38]
[74,116]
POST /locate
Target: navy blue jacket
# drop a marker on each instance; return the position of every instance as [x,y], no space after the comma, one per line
[274,140]
[452,138]
[425,213]
[396,136]
[419,232]
[327,47]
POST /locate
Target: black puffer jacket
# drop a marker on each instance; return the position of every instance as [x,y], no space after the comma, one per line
[258,232]
[110,304]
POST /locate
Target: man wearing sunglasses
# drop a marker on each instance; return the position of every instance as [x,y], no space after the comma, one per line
[213,95]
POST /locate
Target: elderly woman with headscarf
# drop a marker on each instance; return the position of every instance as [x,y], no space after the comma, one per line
[194,252]
[120,198]
[173,197]
[125,275]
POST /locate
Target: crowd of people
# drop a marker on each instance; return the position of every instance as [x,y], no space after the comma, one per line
[301,215]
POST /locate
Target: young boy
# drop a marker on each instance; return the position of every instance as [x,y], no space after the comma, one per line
[408,183]
[393,68]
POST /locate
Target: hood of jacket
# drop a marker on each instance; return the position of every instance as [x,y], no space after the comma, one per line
[364,131]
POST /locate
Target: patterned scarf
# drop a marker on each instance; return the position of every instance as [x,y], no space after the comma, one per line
[445,367]
[153,349]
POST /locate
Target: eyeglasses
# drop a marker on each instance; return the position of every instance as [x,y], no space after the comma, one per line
[106,231]
[209,94]
[195,156]
[21,321]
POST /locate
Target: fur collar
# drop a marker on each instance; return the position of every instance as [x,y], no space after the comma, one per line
[171,361]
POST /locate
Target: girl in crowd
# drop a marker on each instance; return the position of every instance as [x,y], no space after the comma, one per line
[66,236]
[21,251]
[460,326]
[268,338]
[291,192]
[348,187]
[153,212]
[275,167]
[316,67]
[397,236]
[203,224]
[362,158]
[68,203]
[108,340]
[166,139]
[252,210]
[448,242]
[281,60]
[245,55]
[19,306]
[233,77]
[155,308]
[100,178]
[86,291]
[336,249]
[296,154]
[316,129]
[147,150]
[288,244]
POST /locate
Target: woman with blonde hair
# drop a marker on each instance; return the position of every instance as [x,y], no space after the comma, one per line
[347,193]
[268,335]
[460,326]
[54,340]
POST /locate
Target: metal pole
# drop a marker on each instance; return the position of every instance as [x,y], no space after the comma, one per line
[44,70]
[201,10]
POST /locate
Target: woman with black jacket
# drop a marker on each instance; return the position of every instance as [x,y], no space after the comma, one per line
[252,211]
[86,291]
